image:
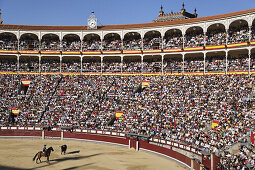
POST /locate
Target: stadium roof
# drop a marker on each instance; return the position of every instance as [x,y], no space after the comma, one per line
[124,26]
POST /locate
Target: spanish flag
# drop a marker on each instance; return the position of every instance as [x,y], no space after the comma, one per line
[26,82]
[118,114]
[15,111]
[215,123]
[145,84]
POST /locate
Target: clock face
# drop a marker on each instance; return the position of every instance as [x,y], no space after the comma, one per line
[92,23]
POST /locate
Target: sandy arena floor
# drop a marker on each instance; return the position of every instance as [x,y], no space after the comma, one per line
[18,154]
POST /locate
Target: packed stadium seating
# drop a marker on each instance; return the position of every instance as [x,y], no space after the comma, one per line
[196,77]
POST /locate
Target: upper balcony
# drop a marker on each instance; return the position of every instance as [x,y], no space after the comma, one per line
[196,34]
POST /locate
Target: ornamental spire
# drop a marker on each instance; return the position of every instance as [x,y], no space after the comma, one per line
[1,17]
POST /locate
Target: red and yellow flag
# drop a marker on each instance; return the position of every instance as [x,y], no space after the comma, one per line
[215,123]
[118,114]
[145,84]
[26,82]
[15,111]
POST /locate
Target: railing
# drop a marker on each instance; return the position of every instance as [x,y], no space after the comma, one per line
[155,141]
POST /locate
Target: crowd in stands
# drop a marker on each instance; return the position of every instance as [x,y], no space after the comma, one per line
[52,65]
[192,65]
[173,66]
[29,45]
[132,67]
[111,67]
[177,108]
[6,44]
[71,46]
[29,65]
[244,159]
[71,66]
[215,38]
[132,44]
[92,46]
[238,35]
[173,42]
[170,65]
[9,64]
[51,46]
[194,40]
[89,66]
[253,33]
[152,43]
[114,45]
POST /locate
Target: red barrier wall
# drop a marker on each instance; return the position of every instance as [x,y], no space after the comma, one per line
[52,134]
[20,133]
[165,151]
[111,139]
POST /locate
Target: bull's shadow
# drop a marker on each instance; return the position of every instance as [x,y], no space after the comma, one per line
[73,152]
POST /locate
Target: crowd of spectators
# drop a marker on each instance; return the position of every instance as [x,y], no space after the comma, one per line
[9,64]
[253,33]
[194,40]
[51,45]
[91,66]
[6,44]
[173,42]
[177,108]
[216,38]
[194,65]
[132,44]
[152,43]
[93,45]
[173,66]
[215,64]
[112,45]
[52,65]
[132,67]
[212,64]
[71,66]
[111,66]
[71,46]
[29,65]
[243,159]
[238,35]
[29,45]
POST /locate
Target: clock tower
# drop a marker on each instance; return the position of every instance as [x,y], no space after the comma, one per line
[92,21]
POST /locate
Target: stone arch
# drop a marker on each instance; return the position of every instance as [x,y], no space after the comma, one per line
[50,42]
[238,31]
[112,42]
[8,41]
[216,34]
[132,41]
[71,42]
[194,37]
[152,40]
[29,41]
[173,39]
[91,42]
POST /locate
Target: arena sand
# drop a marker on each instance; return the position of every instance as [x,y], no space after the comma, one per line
[17,153]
